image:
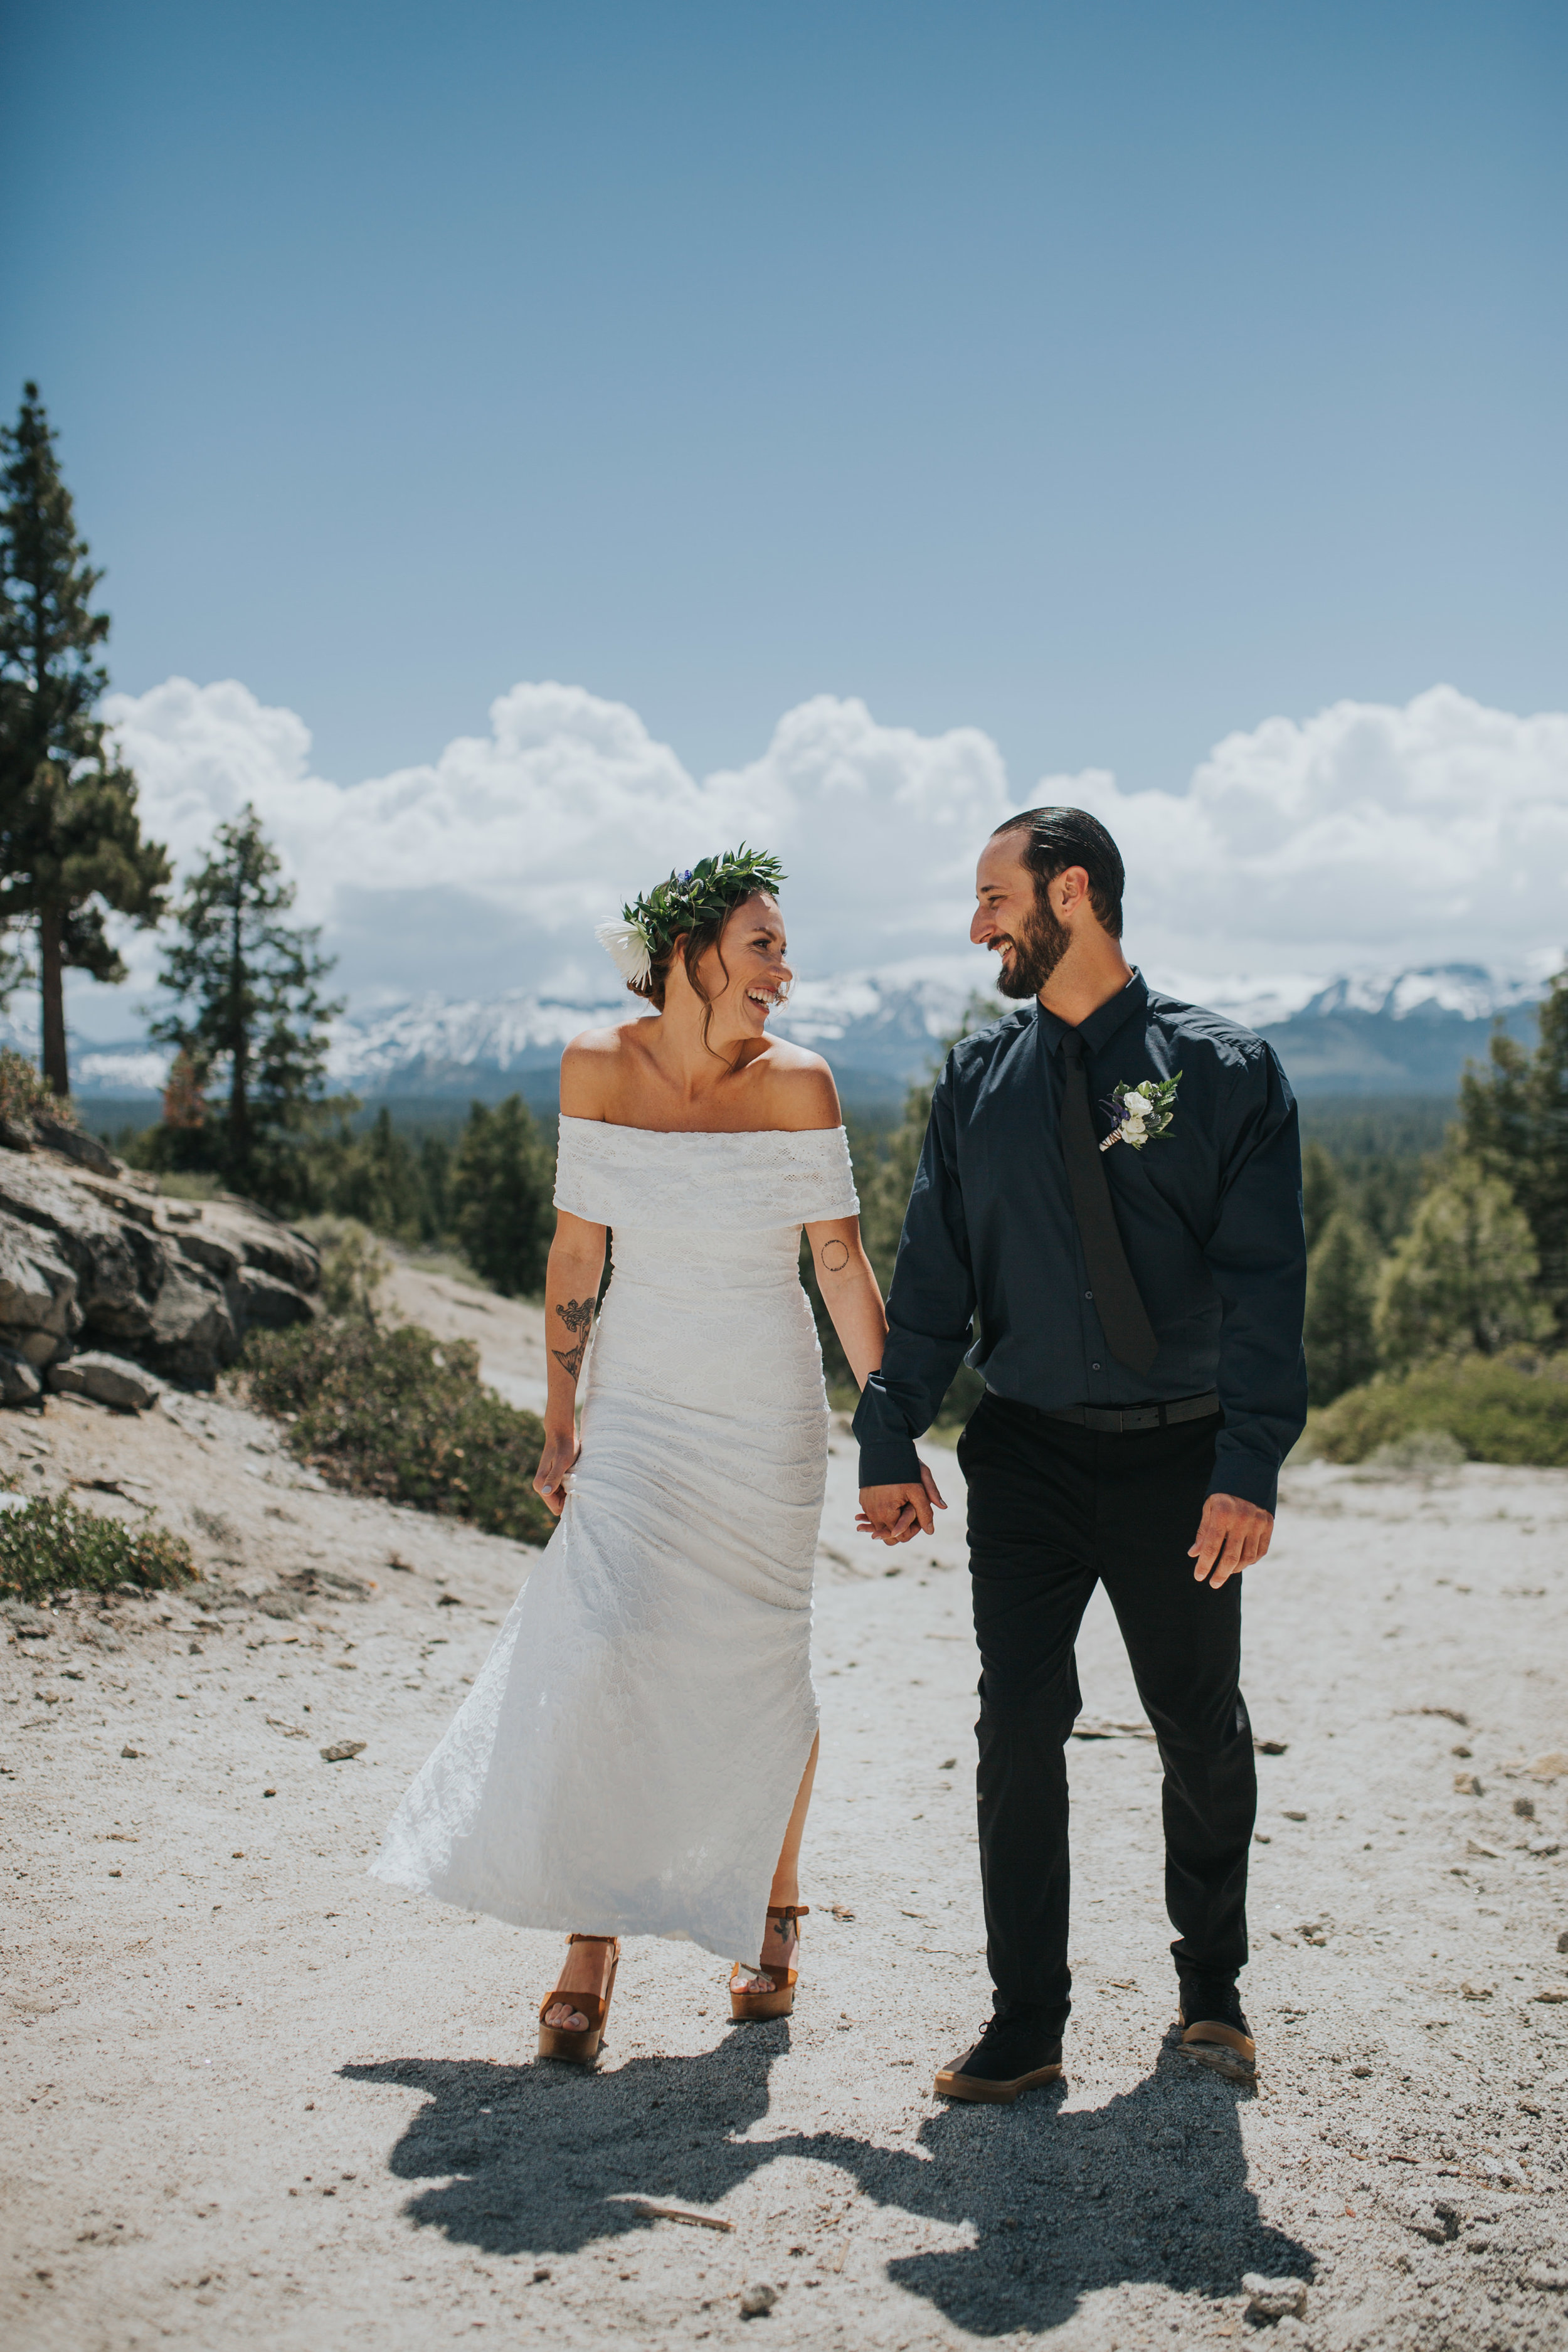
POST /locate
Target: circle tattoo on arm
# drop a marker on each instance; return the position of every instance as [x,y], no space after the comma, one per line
[835,1256]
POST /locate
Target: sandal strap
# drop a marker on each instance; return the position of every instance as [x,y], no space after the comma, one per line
[789,1911]
[574,1938]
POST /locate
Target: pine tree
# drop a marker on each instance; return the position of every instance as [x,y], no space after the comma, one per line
[1323,1190]
[1341,1289]
[500,1195]
[1463,1278]
[71,850]
[384,1181]
[1513,1118]
[245,983]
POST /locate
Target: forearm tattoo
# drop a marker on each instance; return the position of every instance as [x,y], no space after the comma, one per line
[835,1256]
[577,1314]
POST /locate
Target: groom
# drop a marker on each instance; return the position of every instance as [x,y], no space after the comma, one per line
[1110,1187]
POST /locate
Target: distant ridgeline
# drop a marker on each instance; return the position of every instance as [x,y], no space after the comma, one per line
[1408,1033]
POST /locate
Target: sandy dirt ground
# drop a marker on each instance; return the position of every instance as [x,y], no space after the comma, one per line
[254,2098]
[509,1332]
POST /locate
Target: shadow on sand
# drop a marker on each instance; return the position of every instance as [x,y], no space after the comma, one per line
[1152,2187]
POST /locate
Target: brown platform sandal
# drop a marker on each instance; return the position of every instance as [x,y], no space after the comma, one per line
[578,2044]
[780,2002]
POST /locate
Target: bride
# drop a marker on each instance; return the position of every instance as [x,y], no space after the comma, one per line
[636,1757]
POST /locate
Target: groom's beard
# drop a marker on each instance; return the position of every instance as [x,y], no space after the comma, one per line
[1037,949]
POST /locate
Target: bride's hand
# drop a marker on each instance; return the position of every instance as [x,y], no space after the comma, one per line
[560,1455]
[893,1514]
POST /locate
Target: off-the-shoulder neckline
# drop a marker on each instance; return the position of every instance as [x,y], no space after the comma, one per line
[706,1134]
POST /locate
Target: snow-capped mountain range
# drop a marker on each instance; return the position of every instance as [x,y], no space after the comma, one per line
[1405,1032]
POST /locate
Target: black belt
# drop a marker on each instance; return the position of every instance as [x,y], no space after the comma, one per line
[1117,1420]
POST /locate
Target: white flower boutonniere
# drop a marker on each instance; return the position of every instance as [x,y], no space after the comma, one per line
[1142,1112]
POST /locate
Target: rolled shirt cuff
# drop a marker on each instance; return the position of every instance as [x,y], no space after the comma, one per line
[889,1461]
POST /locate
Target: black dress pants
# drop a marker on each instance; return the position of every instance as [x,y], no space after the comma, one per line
[1053,1509]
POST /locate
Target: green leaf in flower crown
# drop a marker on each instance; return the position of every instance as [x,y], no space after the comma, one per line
[705,893]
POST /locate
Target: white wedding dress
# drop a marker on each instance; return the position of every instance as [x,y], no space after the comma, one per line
[629,1755]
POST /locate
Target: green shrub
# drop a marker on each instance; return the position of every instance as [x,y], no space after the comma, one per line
[1512,1408]
[1427,1450]
[176,1183]
[401,1414]
[50,1546]
[24,1089]
[354,1267]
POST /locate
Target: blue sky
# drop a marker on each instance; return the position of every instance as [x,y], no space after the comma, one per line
[1107,379]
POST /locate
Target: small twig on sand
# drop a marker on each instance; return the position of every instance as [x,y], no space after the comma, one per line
[673,2213]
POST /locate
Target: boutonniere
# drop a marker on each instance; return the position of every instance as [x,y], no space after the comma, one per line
[1142,1112]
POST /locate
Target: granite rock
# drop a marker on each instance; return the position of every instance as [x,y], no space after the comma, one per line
[92,1258]
[108,1379]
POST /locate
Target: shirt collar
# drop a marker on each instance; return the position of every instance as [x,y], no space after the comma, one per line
[1103,1023]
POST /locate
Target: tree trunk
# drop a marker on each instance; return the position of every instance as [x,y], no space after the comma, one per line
[239,1055]
[51,983]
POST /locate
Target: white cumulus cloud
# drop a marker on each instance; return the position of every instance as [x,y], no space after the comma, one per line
[492,864]
[1370,834]
[1367,834]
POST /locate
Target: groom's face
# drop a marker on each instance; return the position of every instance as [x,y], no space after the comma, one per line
[1011,916]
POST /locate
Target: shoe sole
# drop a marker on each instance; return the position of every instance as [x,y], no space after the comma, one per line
[950,2084]
[757,2008]
[1222,2049]
[580,2049]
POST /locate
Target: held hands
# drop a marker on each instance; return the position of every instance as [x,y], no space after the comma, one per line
[893,1514]
[1232,1534]
[561,1451]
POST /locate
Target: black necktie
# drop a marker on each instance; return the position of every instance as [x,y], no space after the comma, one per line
[1129,1334]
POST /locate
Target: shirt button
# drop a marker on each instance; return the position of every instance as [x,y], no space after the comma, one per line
[1094,1368]
[1088,1294]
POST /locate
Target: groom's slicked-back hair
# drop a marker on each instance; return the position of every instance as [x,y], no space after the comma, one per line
[1060,837]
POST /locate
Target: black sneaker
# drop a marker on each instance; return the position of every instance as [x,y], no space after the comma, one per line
[1012,2056]
[1214,2028]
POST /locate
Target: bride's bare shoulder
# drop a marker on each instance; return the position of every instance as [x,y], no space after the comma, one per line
[593,1064]
[800,1088]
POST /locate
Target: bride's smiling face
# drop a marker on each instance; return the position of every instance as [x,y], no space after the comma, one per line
[752,949]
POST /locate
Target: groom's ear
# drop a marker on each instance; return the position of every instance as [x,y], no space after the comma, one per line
[1068,891]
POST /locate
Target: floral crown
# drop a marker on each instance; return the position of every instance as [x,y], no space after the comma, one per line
[704,894]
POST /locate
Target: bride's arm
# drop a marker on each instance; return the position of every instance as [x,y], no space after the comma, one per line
[849,1292]
[570,1288]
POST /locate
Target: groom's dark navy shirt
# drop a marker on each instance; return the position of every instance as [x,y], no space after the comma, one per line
[1210,1216]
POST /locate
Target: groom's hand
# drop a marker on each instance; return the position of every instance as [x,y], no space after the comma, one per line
[1232,1534]
[893,1514]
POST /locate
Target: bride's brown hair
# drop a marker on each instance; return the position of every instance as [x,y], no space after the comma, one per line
[691,946]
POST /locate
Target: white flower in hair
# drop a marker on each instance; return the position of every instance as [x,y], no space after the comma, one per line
[626,946]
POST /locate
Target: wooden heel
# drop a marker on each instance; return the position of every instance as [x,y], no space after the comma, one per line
[745,2005]
[579,2045]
